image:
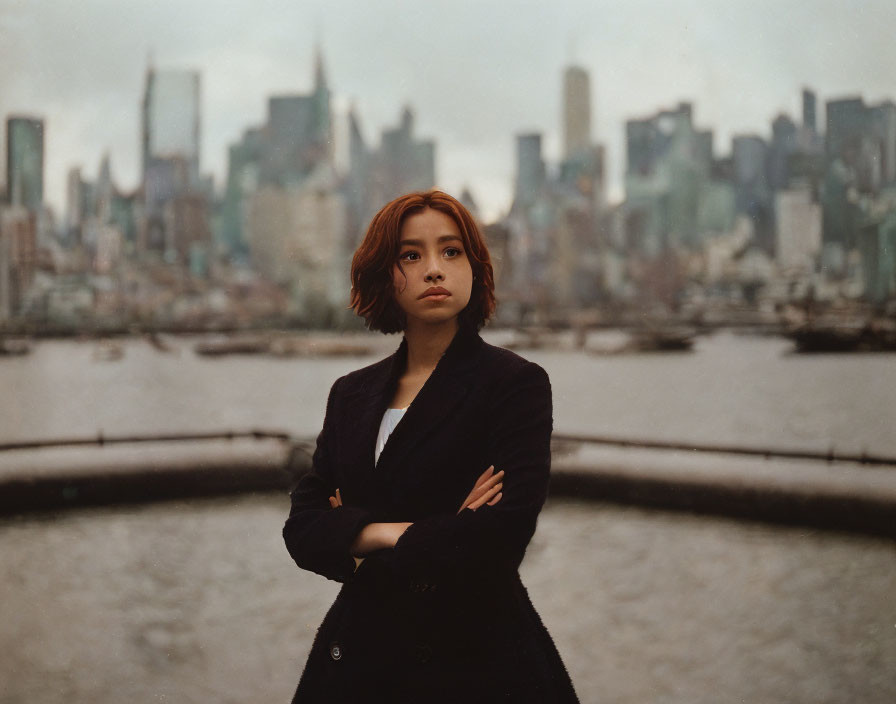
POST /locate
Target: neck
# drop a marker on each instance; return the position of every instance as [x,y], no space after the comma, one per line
[427,342]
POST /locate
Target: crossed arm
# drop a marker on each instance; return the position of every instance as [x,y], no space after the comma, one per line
[491,535]
[378,536]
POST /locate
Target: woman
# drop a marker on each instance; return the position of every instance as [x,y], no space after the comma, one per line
[426,483]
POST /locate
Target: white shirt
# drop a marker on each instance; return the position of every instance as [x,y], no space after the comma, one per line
[387,425]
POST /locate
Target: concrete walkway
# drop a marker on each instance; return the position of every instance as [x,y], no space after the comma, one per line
[836,496]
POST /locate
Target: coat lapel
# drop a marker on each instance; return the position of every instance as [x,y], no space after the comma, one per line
[445,388]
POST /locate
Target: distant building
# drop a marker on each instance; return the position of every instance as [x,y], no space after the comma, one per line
[295,141]
[555,232]
[403,163]
[753,194]
[298,133]
[785,142]
[175,210]
[243,178]
[531,171]
[864,139]
[357,182]
[79,205]
[810,119]
[883,126]
[582,166]
[860,169]
[100,222]
[18,256]
[877,248]
[5,276]
[576,112]
[798,226]
[297,240]
[25,162]
[669,163]
[171,119]
[469,202]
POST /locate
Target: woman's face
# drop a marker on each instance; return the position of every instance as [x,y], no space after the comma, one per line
[437,278]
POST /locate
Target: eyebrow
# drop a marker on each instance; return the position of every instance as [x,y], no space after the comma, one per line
[443,238]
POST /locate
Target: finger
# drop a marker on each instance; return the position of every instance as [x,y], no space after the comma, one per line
[338,497]
[485,475]
[487,496]
[333,503]
[487,484]
[483,484]
[482,500]
[496,499]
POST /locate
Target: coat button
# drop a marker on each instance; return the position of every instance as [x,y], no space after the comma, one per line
[336,651]
[423,653]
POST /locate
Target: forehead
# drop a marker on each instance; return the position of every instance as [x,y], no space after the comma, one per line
[429,224]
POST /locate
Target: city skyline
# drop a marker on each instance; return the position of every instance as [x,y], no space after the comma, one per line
[472,89]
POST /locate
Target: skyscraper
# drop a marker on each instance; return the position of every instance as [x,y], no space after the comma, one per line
[25,162]
[576,112]
[292,149]
[171,119]
[883,123]
[530,169]
[175,207]
[402,164]
[297,136]
[810,121]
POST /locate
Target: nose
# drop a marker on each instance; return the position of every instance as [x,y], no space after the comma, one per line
[434,272]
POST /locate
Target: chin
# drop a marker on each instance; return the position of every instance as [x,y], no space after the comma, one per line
[437,316]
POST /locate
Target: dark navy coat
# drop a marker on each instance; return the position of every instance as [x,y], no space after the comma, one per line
[442,616]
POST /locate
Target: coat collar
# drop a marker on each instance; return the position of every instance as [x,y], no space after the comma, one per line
[459,355]
[445,388]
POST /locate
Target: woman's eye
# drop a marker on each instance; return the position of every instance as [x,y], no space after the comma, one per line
[453,252]
[409,256]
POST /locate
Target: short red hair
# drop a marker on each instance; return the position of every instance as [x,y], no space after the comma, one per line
[372,294]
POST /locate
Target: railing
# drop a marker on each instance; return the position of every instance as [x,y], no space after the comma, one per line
[102,439]
[829,456]
[782,453]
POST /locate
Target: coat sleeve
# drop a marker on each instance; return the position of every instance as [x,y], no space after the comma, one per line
[461,546]
[318,536]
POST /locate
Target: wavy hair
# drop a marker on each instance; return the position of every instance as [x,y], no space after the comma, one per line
[372,295]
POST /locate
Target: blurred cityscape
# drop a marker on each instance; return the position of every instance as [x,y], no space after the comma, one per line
[777,225]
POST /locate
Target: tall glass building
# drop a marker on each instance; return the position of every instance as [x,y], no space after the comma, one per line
[25,162]
[171,119]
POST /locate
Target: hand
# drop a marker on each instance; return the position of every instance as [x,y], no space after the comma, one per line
[335,502]
[486,491]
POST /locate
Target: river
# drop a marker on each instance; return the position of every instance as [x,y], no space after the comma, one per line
[731,389]
[200,602]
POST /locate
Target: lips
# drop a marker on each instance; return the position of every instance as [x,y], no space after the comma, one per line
[436,292]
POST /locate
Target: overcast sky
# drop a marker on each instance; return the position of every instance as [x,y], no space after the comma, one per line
[475,72]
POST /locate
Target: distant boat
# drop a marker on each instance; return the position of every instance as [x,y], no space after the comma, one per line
[154,339]
[311,347]
[661,340]
[239,345]
[532,338]
[282,347]
[14,347]
[108,351]
[870,337]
